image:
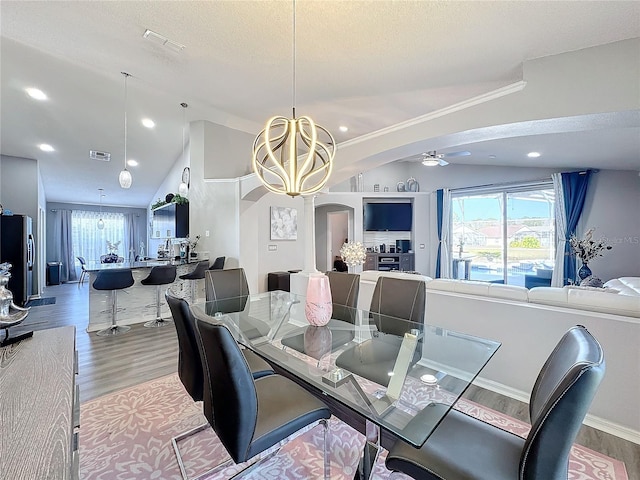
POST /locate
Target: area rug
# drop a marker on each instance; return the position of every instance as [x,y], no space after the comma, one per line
[36,302]
[127,435]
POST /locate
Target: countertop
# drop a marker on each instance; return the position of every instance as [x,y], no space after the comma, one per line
[97,266]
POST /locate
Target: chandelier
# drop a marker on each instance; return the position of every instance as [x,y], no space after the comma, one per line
[125,175]
[293,156]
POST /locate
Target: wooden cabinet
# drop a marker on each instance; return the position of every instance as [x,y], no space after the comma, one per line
[39,406]
[404,262]
[171,221]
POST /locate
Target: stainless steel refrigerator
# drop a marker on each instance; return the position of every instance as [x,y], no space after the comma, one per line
[18,248]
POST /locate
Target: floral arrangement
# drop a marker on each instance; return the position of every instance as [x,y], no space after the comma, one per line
[587,249]
[187,242]
[113,247]
[353,254]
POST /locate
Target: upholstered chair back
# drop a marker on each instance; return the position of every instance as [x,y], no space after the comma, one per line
[230,398]
[559,402]
[226,290]
[400,298]
[344,294]
[189,364]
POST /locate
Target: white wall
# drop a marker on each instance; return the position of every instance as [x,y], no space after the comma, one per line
[20,194]
[612,206]
[255,234]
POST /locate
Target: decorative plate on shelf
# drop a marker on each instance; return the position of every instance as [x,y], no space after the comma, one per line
[186,176]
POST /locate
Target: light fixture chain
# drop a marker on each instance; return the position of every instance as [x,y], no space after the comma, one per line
[125,120]
[294,60]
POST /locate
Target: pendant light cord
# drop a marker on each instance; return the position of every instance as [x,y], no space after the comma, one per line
[294,60]
[126,75]
[184,122]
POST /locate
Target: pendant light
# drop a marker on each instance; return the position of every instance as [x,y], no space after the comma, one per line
[183,189]
[293,156]
[101,222]
[125,175]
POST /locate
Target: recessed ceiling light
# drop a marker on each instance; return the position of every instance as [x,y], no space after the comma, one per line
[147,122]
[45,147]
[36,94]
[132,163]
[533,154]
[343,128]
[492,156]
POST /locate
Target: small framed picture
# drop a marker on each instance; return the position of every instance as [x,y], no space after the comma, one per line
[284,223]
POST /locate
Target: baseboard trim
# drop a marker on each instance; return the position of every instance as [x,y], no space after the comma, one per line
[598,423]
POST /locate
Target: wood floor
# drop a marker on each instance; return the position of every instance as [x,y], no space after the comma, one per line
[108,364]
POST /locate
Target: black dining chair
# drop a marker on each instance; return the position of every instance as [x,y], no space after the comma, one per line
[84,272]
[393,300]
[252,416]
[190,365]
[227,291]
[344,296]
[466,447]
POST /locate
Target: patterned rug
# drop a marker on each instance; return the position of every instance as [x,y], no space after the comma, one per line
[127,436]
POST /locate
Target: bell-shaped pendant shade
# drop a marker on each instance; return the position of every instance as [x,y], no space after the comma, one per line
[100,224]
[125,178]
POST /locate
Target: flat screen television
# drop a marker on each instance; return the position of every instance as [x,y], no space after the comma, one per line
[392,217]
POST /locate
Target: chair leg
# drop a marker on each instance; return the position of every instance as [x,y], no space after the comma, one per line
[327,449]
[114,329]
[159,321]
[182,436]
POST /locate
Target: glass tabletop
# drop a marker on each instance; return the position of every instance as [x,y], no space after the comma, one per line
[400,375]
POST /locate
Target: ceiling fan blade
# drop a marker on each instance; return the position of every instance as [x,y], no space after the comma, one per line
[443,163]
[463,153]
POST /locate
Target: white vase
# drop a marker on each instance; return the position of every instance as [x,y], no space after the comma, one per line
[318,307]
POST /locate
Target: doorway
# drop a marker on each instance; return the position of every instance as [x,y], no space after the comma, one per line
[337,233]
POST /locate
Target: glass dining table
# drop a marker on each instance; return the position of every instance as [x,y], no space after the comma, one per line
[397,376]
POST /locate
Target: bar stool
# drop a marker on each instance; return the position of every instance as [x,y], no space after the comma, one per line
[159,275]
[194,276]
[113,280]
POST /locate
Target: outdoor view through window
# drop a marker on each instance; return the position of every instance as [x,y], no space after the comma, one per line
[503,236]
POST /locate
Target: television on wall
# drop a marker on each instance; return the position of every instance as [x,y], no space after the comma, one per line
[392,217]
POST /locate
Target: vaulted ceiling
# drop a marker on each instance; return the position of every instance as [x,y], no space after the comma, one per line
[366,65]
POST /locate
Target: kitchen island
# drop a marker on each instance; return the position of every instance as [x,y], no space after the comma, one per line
[136,304]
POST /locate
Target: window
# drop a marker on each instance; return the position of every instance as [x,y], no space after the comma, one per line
[89,241]
[502,234]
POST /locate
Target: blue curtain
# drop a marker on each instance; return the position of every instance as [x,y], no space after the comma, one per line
[439,206]
[574,189]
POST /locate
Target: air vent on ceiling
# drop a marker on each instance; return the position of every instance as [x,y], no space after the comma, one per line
[162,40]
[97,155]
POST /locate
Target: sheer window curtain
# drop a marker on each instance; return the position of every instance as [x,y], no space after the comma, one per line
[90,242]
[445,238]
[557,278]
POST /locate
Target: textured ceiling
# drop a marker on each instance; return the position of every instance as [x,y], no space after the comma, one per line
[368,65]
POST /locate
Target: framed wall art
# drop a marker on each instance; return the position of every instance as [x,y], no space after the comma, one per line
[284,223]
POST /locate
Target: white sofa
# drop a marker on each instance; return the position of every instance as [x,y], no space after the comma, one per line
[529,323]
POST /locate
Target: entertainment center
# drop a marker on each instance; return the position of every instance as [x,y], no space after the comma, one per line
[403,262]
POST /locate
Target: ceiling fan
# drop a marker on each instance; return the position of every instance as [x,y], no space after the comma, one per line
[433,159]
